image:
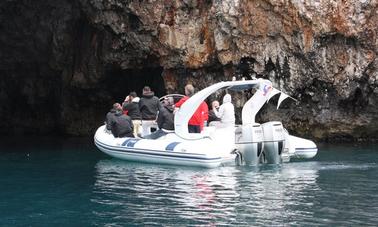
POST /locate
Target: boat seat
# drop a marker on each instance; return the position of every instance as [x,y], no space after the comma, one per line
[208,131]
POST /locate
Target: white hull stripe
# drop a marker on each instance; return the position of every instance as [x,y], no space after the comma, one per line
[306,149]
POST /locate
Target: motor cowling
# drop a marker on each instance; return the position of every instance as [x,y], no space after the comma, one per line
[274,139]
[249,141]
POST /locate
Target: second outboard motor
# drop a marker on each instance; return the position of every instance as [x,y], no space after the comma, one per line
[249,140]
[273,141]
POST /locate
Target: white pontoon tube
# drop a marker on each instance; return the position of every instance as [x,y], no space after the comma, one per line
[256,143]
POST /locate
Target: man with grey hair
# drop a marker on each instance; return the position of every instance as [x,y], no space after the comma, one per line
[189,90]
[196,122]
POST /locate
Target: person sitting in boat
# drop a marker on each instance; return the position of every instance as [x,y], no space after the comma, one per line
[213,119]
[111,115]
[226,112]
[131,108]
[121,125]
[196,122]
[148,106]
[165,119]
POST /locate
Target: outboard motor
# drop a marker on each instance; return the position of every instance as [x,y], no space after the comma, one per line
[249,141]
[273,141]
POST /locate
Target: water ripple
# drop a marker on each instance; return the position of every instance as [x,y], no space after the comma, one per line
[85,188]
[298,193]
[267,195]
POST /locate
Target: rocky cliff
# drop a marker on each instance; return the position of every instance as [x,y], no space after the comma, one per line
[63,63]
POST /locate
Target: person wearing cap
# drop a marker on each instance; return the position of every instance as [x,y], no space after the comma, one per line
[131,108]
[149,107]
[165,119]
[196,122]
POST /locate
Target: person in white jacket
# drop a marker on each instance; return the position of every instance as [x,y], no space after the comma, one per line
[226,112]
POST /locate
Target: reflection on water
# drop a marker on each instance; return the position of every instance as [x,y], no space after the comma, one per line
[241,195]
[61,183]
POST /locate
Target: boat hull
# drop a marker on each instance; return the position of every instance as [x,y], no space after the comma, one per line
[302,148]
[167,156]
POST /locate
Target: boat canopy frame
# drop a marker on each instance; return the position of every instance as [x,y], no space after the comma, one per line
[264,92]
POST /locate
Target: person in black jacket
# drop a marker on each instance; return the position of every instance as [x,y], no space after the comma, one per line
[213,119]
[122,126]
[119,124]
[110,116]
[165,119]
[131,108]
[148,106]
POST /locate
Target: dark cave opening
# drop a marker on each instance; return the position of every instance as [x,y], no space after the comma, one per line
[269,66]
[120,82]
[245,68]
[134,21]
[355,102]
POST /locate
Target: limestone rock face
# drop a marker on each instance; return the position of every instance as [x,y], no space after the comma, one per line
[74,53]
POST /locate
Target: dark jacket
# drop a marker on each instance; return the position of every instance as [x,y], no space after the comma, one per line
[122,125]
[212,117]
[149,106]
[110,116]
[165,118]
[132,110]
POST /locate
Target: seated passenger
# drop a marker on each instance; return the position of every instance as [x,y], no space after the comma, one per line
[111,115]
[165,119]
[226,112]
[213,119]
[120,125]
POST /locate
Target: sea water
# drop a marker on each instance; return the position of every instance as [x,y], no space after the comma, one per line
[68,182]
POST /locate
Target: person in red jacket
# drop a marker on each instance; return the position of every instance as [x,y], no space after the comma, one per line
[196,122]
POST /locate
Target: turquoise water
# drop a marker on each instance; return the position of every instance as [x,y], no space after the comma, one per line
[45,182]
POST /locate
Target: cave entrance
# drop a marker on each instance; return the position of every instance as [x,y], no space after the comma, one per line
[120,82]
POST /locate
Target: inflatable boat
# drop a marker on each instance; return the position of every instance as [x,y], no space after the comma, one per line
[250,143]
